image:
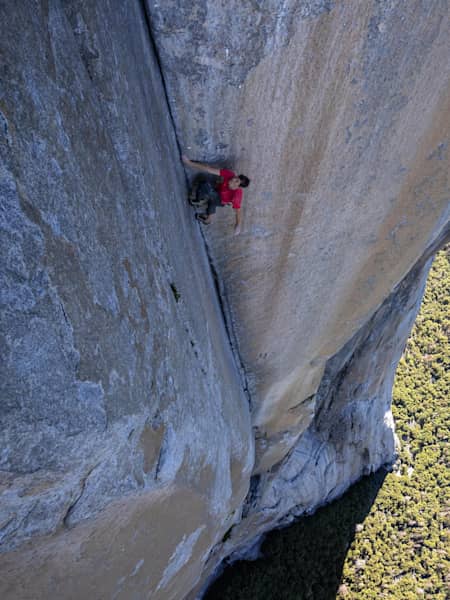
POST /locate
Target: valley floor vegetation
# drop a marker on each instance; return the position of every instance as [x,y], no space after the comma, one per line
[389,535]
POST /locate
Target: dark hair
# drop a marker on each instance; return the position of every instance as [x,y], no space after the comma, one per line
[245,181]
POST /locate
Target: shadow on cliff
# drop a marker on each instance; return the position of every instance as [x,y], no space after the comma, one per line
[305,560]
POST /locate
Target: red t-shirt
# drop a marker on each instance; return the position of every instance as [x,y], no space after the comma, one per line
[227,196]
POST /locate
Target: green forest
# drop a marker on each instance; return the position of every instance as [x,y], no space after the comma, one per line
[389,535]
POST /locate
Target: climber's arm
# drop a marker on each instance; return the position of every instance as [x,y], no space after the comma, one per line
[200,166]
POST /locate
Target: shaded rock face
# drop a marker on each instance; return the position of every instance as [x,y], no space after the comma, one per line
[339,113]
[125,434]
[352,432]
[127,441]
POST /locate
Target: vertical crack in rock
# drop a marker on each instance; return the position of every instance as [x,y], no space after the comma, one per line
[95,143]
[214,118]
[67,517]
[252,496]
[263,28]
[337,435]
[4,127]
[146,17]
[92,241]
[218,284]
[228,322]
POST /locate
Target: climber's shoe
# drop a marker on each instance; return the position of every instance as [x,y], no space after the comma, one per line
[201,218]
[192,199]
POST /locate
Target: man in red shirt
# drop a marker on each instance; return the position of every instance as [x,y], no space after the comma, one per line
[227,192]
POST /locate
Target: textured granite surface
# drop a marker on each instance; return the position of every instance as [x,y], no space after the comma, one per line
[131,462]
[119,389]
[342,123]
[339,113]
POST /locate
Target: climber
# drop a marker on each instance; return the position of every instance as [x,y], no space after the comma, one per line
[228,191]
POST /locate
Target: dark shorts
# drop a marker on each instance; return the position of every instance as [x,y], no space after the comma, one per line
[206,192]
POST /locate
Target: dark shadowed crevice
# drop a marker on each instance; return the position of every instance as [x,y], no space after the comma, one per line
[146,18]
[218,284]
[69,512]
[330,424]
[305,560]
[221,296]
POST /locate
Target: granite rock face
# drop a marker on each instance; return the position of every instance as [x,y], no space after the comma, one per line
[126,445]
[131,462]
[351,433]
[339,112]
